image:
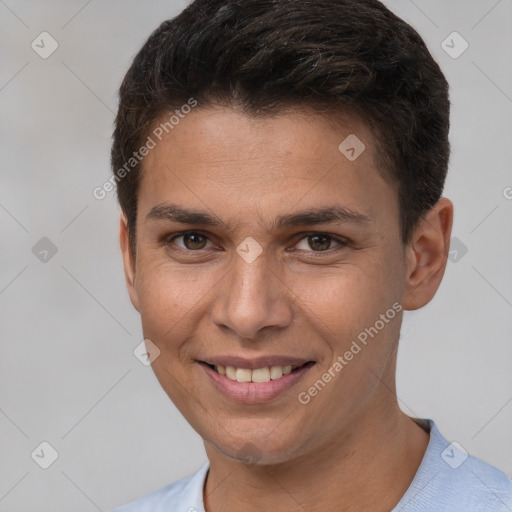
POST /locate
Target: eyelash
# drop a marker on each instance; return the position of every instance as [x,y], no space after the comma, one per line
[342,243]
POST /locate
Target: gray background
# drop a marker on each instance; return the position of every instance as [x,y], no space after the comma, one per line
[67,372]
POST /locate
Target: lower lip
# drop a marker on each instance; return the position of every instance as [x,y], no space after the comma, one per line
[254,392]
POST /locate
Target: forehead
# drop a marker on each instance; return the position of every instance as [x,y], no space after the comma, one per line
[294,134]
[238,161]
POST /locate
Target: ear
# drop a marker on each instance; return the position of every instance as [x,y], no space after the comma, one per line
[426,255]
[129,264]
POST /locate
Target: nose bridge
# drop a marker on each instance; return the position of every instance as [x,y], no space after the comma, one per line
[251,298]
[249,281]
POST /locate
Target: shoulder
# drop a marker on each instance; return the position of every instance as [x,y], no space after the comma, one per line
[450,479]
[476,485]
[185,495]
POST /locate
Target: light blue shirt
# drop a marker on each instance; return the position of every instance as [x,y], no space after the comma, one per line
[447,480]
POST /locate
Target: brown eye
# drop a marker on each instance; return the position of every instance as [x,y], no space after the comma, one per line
[191,241]
[318,242]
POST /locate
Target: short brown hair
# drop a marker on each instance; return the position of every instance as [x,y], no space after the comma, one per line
[267,56]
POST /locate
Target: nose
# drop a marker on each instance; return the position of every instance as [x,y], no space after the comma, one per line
[250,298]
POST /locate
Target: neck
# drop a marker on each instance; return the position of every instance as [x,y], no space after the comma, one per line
[367,466]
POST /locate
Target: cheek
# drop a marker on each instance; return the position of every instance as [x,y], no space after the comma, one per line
[163,286]
[163,298]
[344,307]
[349,296]
[172,301]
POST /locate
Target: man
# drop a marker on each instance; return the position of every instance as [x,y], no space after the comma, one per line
[280,167]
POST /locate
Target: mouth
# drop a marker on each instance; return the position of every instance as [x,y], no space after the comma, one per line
[257,375]
[259,384]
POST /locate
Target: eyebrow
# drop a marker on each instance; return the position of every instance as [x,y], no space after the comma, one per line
[329,215]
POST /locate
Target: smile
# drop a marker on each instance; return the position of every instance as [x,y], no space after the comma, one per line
[259,375]
[257,385]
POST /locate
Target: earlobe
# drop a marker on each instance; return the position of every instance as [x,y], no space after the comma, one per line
[128,263]
[427,254]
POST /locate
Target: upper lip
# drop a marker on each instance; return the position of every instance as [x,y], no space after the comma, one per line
[255,362]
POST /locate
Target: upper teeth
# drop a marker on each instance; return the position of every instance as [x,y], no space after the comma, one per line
[257,375]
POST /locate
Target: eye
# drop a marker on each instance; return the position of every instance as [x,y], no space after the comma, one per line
[195,241]
[319,242]
[192,240]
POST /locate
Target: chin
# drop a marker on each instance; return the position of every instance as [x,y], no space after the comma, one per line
[258,447]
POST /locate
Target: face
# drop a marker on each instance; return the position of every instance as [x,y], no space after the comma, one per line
[233,267]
